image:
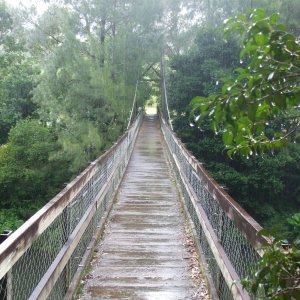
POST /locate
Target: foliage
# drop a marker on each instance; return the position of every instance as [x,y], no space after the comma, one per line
[267,86]
[9,220]
[255,112]
[16,72]
[26,173]
[294,221]
[267,187]
[278,275]
[210,58]
[90,71]
[5,21]
[73,70]
[262,185]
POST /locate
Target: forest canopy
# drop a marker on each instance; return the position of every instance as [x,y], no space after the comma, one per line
[68,78]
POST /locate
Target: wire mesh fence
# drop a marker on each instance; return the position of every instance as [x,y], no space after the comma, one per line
[41,259]
[227,235]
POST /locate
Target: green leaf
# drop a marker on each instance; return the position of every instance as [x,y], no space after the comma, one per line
[274,18]
[242,17]
[262,273]
[281,27]
[227,137]
[295,220]
[228,21]
[231,152]
[278,144]
[254,288]
[250,48]
[240,70]
[261,39]
[198,100]
[260,128]
[263,26]
[258,14]
[288,37]
[225,88]
[245,151]
[263,111]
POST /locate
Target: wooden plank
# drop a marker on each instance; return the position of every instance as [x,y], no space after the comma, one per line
[143,253]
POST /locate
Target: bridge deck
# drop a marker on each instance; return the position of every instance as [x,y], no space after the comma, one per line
[143,254]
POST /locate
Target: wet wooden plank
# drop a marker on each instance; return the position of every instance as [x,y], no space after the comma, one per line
[143,254]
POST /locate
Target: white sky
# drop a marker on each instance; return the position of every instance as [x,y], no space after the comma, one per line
[39,4]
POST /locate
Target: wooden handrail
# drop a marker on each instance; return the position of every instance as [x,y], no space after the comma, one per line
[16,245]
[243,221]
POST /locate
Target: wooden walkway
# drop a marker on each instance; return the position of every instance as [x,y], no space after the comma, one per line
[143,254]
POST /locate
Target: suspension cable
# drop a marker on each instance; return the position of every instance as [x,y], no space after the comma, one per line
[133,104]
[162,63]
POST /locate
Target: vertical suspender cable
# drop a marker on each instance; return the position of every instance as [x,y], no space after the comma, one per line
[165,91]
[133,104]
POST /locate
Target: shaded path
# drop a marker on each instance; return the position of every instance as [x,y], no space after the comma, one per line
[143,255]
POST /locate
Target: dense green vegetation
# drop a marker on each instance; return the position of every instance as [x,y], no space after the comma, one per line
[267,186]
[278,270]
[264,89]
[246,111]
[68,78]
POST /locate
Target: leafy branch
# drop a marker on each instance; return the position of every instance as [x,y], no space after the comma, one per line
[264,87]
[278,273]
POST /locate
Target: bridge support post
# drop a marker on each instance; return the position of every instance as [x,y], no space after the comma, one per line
[6,281]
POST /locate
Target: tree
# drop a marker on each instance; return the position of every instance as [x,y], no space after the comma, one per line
[5,21]
[17,76]
[255,112]
[28,170]
[92,54]
[200,68]
[262,185]
[277,276]
[265,88]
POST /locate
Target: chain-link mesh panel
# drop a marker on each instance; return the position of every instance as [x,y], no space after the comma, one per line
[31,267]
[23,278]
[3,288]
[238,249]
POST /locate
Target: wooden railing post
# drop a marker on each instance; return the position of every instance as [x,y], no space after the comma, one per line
[6,281]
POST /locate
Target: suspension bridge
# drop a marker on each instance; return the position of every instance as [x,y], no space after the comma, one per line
[119,230]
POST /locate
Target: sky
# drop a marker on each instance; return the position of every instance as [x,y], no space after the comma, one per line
[24,2]
[40,5]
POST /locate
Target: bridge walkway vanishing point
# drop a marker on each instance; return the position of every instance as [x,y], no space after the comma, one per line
[144,254]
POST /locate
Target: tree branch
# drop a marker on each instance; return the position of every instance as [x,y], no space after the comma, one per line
[285,291]
[46,33]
